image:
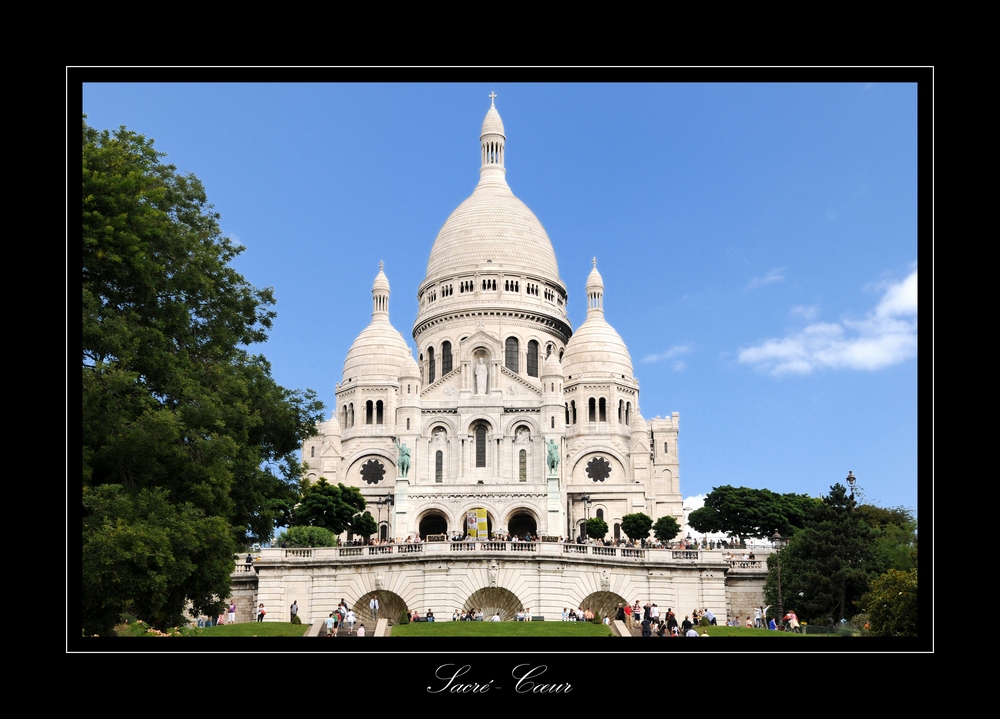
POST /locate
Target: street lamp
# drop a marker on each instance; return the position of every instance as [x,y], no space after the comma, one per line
[586,513]
[778,541]
[852,483]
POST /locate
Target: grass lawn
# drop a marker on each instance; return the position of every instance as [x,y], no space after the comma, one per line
[745,632]
[501,629]
[252,629]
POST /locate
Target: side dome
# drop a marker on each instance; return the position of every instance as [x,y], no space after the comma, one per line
[380,350]
[596,350]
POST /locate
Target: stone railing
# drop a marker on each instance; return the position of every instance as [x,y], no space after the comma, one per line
[423,550]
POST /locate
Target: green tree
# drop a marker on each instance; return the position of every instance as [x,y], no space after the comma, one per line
[364,525]
[330,506]
[307,537]
[743,512]
[666,528]
[637,526]
[188,443]
[891,604]
[827,565]
[596,528]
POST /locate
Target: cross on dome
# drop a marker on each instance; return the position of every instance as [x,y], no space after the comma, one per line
[492,96]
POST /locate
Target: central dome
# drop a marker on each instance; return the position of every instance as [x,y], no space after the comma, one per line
[492,226]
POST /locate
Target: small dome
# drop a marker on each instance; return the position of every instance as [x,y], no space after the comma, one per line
[377,353]
[596,350]
[330,427]
[379,350]
[409,368]
[492,124]
[552,366]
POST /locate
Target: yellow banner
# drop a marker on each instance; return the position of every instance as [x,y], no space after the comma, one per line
[484,532]
[471,523]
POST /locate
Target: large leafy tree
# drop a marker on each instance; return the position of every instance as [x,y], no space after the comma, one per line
[330,506]
[743,512]
[597,528]
[188,442]
[891,603]
[637,526]
[826,566]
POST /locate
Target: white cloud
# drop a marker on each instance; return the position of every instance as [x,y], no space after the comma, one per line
[772,276]
[675,351]
[806,312]
[886,336]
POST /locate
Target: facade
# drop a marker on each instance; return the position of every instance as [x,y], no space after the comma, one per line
[503,406]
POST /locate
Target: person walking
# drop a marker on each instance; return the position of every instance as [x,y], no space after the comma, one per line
[293,611]
[261,612]
[373,605]
[351,620]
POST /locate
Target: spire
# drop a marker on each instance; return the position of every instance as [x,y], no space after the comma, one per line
[380,294]
[492,141]
[595,292]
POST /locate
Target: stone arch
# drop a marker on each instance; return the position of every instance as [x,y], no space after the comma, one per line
[511,424]
[432,521]
[391,606]
[493,600]
[522,520]
[603,603]
[618,464]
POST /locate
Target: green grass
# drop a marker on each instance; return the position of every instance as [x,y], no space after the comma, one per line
[501,629]
[251,629]
[744,632]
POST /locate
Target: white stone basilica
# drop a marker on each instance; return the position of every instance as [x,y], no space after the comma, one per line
[499,378]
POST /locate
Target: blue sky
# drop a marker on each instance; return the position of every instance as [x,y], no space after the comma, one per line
[758,241]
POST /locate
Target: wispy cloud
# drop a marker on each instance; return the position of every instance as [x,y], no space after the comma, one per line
[671,354]
[886,336]
[772,276]
[806,312]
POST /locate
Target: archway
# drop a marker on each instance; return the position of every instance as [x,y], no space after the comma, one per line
[521,523]
[432,523]
[391,607]
[603,604]
[494,600]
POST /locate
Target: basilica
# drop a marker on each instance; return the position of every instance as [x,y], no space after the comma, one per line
[504,419]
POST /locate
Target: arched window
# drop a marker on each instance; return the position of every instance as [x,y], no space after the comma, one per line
[532,358]
[369,407]
[618,531]
[312,451]
[379,412]
[621,410]
[600,514]
[407,422]
[480,446]
[628,413]
[510,356]
[343,416]
[572,407]
[603,410]
[445,358]
[567,414]
[592,410]
[430,365]
[351,413]
[439,466]
[552,422]
[522,465]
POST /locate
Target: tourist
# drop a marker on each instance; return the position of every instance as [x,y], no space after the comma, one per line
[329,625]
[261,612]
[454,616]
[749,622]
[293,611]
[361,630]
[430,615]
[527,614]
[232,611]
[710,617]
[519,617]
[772,625]
[757,617]
[628,615]
[351,620]
[496,617]
[565,614]
[373,605]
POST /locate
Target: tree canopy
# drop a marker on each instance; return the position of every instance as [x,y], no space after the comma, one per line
[744,512]
[666,528]
[827,566]
[188,442]
[637,526]
[332,507]
[596,528]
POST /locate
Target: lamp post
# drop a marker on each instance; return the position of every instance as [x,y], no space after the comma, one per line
[586,514]
[778,541]
[852,483]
